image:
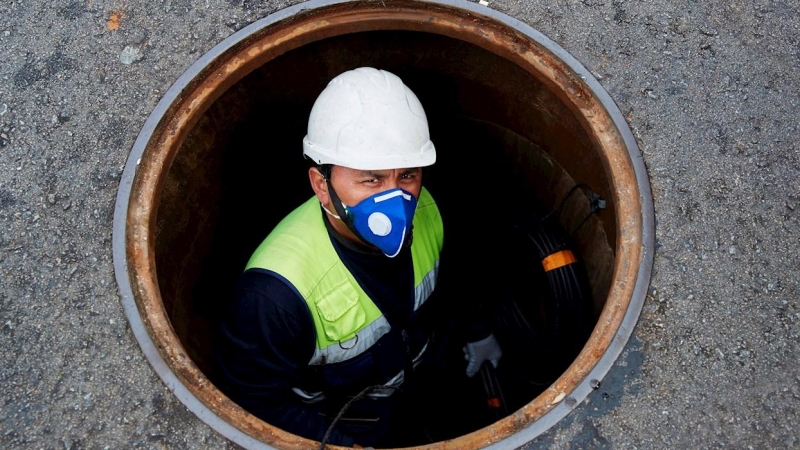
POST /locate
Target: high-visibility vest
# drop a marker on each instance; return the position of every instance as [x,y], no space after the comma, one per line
[347,322]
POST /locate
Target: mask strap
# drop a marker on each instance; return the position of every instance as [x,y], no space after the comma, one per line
[329,212]
[340,209]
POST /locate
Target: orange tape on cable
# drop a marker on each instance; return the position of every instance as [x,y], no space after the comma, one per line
[558,259]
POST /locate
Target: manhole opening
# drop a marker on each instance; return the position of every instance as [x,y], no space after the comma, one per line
[223,165]
[240,170]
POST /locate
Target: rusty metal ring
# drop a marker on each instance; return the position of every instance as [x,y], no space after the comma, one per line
[227,63]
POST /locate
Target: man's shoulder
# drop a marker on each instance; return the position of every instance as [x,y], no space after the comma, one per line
[298,235]
[267,289]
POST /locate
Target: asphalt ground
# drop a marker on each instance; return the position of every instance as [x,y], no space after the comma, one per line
[710,90]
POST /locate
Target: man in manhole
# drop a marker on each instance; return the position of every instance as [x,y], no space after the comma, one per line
[333,332]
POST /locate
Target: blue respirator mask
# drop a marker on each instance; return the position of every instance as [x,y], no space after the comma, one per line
[384,219]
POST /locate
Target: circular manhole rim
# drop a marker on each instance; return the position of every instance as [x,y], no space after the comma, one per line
[225,64]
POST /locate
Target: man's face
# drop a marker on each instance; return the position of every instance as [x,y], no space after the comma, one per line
[354,185]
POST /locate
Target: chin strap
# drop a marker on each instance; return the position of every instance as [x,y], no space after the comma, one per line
[329,212]
[342,213]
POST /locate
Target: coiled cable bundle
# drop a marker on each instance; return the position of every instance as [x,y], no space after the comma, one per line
[548,313]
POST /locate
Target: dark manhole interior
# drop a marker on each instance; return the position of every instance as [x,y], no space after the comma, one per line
[509,150]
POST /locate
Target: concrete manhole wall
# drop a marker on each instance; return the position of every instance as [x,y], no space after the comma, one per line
[501,99]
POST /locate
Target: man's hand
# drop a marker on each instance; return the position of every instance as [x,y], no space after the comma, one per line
[476,353]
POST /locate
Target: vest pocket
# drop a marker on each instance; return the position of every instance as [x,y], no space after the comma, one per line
[341,312]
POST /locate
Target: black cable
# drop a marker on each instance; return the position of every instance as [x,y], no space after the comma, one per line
[564,200]
[586,218]
[567,306]
[596,203]
[358,396]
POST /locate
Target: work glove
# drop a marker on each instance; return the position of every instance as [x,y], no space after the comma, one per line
[487,349]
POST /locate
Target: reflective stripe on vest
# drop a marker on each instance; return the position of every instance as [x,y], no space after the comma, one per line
[347,322]
[424,289]
[357,345]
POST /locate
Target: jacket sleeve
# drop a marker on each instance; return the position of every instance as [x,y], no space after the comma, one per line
[266,336]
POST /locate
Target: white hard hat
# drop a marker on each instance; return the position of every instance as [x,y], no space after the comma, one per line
[367,119]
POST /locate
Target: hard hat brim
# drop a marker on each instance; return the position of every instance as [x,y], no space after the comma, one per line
[425,157]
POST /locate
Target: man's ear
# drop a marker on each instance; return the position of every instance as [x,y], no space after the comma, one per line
[319,184]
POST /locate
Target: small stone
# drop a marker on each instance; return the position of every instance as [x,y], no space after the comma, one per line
[138,37]
[130,55]
[733,250]
[708,31]
[51,198]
